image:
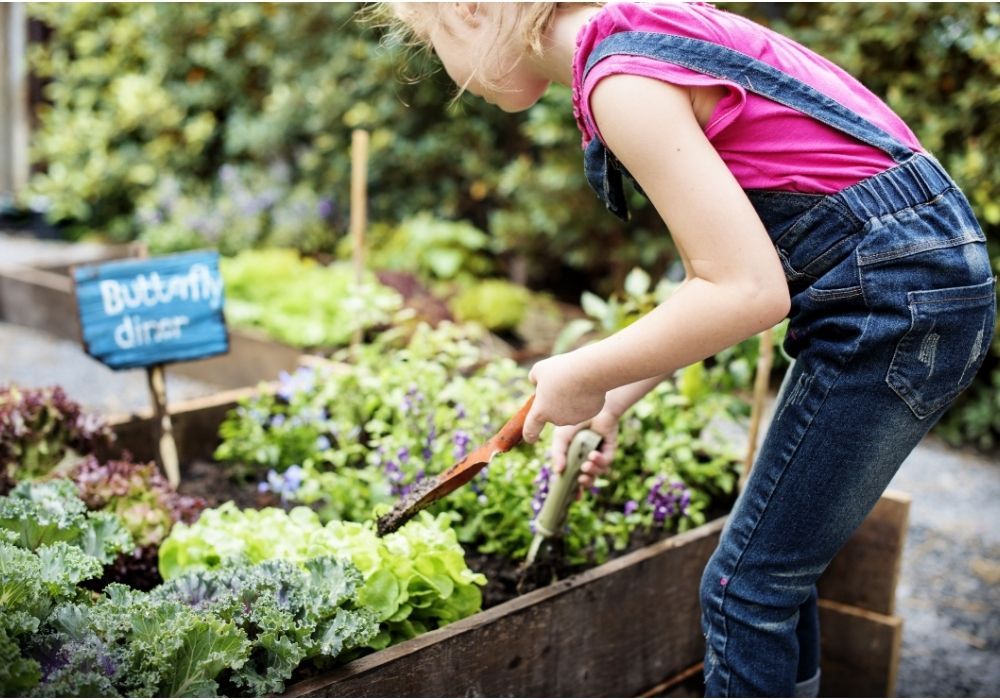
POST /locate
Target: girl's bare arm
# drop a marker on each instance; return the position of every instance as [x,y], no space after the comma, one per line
[735,286]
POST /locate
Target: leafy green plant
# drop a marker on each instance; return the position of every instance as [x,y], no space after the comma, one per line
[39,428]
[401,415]
[497,304]
[433,248]
[290,614]
[301,302]
[414,579]
[33,584]
[248,207]
[239,628]
[43,513]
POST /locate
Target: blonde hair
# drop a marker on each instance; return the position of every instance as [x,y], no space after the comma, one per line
[410,24]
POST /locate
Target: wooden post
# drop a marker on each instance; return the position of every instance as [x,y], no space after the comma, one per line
[762,377]
[14,118]
[359,207]
[162,425]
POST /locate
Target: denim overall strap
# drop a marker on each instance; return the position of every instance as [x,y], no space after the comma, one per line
[604,172]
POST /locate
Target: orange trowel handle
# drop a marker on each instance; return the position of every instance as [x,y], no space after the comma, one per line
[507,438]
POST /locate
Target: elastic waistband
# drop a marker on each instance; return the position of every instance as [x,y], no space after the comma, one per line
[914,181]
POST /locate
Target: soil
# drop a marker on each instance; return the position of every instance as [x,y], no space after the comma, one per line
[217,484]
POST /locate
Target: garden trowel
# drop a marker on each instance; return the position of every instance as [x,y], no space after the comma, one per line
[562,489]
[430,490]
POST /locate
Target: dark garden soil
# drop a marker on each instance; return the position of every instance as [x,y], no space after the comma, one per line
[217,483]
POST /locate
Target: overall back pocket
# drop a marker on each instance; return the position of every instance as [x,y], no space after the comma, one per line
[948,339]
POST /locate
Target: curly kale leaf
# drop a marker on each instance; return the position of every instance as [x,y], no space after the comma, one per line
[290,614]
[40,513]
[32,584]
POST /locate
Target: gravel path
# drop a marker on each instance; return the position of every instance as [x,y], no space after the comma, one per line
[32,358]
[949,589]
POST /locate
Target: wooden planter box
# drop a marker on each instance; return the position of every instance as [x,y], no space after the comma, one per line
[628,627]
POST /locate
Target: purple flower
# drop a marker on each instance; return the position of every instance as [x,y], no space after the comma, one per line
[541,483]
[289,384]
[285,484]
[278,420]
[668,501]
[461,441]
[403,455]
[293,478]
[459,411]
[630,507]
[325,208]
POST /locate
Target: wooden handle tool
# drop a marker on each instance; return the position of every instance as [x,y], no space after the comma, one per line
[434,488]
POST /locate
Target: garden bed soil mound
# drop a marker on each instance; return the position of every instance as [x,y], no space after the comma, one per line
[216,484]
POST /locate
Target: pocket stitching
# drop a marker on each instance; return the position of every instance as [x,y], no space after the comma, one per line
[897,380]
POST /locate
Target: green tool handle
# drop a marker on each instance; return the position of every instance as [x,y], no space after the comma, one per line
[562,486]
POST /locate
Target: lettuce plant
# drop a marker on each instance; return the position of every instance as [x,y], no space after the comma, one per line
[38,428]
[414,579]
[138,493]
[238,629]
[297,301]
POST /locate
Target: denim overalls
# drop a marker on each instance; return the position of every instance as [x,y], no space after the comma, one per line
[893,309]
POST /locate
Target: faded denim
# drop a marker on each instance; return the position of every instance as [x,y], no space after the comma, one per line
[893,310]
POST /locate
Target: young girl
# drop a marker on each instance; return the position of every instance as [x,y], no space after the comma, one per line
[789,190]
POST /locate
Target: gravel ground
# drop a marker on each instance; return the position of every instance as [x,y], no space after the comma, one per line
[34,359]
[949,589]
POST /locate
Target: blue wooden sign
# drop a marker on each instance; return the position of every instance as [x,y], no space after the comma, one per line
[149,311]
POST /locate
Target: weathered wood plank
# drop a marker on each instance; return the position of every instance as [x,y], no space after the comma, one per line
[60,261]
[39,299]
[866,570]
[252,357]
[195,426]
[615,630]
[860,651]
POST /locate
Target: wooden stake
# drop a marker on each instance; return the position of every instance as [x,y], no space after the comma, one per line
[162,425]
[359,206]
[762,376]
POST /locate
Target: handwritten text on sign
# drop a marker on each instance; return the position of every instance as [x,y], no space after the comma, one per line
[151,311]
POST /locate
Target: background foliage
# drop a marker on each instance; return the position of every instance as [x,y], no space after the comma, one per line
[229,125]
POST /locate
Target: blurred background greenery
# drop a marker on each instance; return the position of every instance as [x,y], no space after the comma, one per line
[228,125]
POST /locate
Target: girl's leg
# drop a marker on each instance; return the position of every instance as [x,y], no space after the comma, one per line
[807,635]
[879,366]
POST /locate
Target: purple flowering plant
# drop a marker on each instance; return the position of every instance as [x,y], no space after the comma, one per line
[363,437]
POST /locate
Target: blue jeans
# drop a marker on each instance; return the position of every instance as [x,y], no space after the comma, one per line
[893,310]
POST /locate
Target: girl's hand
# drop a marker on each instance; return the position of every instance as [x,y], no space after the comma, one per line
[563,395]
[598,462]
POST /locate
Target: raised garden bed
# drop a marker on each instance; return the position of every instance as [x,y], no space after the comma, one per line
[627,627]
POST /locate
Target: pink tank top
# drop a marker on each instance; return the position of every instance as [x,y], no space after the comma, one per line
[765,144]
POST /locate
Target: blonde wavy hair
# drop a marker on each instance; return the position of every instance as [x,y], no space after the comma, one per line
[410,24]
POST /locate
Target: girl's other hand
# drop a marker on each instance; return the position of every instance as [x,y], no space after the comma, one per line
[598,462]
[563,395]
